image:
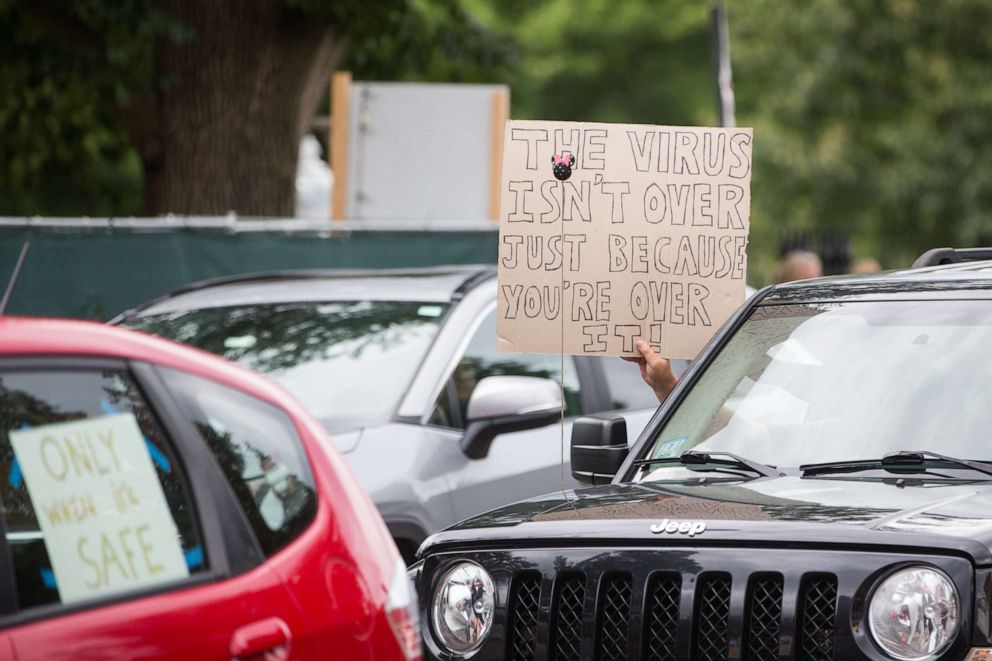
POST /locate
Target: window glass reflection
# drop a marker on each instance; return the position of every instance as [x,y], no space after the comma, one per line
[348,362]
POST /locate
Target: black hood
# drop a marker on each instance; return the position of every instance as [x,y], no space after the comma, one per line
[788,510]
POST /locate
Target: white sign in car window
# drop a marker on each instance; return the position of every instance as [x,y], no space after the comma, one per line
[106,523]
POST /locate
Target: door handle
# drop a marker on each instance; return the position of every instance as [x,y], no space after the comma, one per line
[267,640]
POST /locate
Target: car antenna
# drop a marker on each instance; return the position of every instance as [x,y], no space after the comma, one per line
[14,276]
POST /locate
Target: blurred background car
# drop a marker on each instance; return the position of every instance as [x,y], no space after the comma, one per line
[402,368]
[161,502]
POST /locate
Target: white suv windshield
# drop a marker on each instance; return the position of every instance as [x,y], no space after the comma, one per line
[348,362]
[812,383]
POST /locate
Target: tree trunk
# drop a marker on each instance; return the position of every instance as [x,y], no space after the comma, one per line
[223,130]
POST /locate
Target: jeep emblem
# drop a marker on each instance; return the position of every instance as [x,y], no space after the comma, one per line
[691,528]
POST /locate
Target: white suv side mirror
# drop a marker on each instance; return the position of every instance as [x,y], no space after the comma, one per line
[501,404]
[501,396]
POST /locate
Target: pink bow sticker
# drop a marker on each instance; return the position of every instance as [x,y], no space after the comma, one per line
[562,158]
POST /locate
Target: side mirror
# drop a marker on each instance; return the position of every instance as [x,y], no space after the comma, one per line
[599,447]
[501,404]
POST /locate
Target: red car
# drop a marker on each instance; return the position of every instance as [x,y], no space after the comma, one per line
[156,501]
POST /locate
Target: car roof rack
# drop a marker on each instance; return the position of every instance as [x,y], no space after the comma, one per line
[940,256]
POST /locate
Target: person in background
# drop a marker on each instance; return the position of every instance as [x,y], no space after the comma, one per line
[799,265]
[866,265]
[657,370]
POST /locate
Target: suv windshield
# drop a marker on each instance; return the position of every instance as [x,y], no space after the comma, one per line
[347,362]
[805,384]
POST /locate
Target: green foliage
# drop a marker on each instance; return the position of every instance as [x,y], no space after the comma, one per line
[69,66]
[870,117]
[426,41]
[74,69]
[644,61]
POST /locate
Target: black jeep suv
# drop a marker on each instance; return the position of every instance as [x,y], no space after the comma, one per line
[819,486]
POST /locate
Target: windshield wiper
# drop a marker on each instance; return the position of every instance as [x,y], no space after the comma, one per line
[894,462]
[693,458]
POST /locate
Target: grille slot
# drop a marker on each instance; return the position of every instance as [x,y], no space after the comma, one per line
[712,616]
[817,612]
[764,617]
[613,618]
[523,609]
[661,617]
[570,596]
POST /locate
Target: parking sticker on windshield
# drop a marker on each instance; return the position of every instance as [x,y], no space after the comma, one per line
[672,448]
[240,342]
[429,311]
[106,522]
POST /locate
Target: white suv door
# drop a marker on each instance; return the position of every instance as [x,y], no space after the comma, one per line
[520,464]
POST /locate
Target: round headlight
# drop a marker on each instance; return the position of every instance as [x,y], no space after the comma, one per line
[462,612]
[913,613]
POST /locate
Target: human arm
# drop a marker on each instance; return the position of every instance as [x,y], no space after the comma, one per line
[655,370]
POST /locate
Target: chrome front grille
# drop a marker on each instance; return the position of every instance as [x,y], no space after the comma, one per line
[613,618]
[617,612]
[763,628]
[569,603]
[526,593]
[679,603]
[661,616]
[817,615]
[712,615]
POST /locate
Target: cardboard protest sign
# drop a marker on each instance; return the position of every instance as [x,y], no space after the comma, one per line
[611,232]
[100,506]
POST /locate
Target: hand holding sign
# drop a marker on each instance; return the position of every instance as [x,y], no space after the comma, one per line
[614,233]
[655,370]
